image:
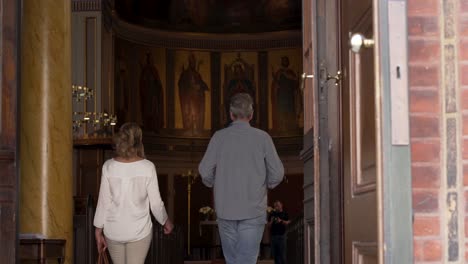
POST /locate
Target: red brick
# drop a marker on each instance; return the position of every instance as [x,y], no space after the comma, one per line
[464,98]
[464,49]
[423,7]
[432,250]
[466,252]
[463,26]
[465,125]
[464,74]
[423,26]
[423,126]
[424,51]
[465,175]
[465,148]
[418,250]
[463,6]
[425,176]
[466,226]
[424,75]
[425,201]
[466,201]
[426,226]
[424,101]
[425,151]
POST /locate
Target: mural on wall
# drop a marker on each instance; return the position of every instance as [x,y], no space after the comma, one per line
[239,76]
[151,96]
[192,92]
[140,85]
[141,89]
[285,104]
[122,85]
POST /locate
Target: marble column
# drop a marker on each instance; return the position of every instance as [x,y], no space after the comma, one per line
[46,195]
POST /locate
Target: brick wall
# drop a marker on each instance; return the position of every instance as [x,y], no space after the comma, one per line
[463,80]
[438,59]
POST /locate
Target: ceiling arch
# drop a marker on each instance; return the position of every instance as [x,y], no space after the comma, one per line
[213,16]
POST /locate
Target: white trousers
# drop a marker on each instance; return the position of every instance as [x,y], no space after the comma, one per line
[130,252]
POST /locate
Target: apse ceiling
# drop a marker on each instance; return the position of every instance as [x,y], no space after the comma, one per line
[213,16]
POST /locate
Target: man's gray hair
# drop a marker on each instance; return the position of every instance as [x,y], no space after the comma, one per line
[241,105]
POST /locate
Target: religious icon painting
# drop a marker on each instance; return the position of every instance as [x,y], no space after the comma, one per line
[122,83]
[239,74]
[152,83]
[285,104]
[140,85]
[192,93]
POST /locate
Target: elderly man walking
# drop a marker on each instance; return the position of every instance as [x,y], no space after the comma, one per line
[241,162]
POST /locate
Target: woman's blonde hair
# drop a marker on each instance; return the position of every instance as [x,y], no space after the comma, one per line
[128,141]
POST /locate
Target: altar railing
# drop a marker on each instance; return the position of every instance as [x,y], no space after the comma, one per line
[295,241]
[165,249]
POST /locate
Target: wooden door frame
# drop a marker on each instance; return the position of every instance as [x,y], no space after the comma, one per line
[394,202]
[394,189]
[9,129]
[328,184]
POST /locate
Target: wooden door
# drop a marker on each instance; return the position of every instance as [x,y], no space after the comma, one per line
[322,172]
[341,103]
[308,150]
[359,134]
[9,28]
[325,106]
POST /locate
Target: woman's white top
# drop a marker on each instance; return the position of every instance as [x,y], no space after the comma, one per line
[128,191]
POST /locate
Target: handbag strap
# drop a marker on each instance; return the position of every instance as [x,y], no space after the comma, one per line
[102,258]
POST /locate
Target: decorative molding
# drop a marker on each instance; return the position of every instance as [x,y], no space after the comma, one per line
[7,155]
[107,10]
[203,41]
[263,88]
[363,178]
[215,90]
[364,252]
[307,152]
[170,89]
[154,143]
[178,163]
[86,5]
[97,141]
[2,72]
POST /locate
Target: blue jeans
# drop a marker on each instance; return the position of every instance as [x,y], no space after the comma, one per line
[240,239]
[278,249]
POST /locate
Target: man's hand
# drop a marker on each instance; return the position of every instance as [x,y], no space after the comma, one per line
[100,240]
[168,227]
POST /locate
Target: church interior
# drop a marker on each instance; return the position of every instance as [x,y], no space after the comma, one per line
[172,67]
[365,101]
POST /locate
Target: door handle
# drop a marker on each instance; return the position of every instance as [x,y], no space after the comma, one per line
[337,77]
[358,41]
[303,77]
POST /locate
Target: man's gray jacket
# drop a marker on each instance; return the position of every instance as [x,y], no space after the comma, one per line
[241,162]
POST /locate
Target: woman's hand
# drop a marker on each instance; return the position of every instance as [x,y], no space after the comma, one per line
[168,226]
[100,240]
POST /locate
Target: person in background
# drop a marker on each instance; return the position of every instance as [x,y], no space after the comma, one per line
[129,189]
[278,221]
[241,162]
